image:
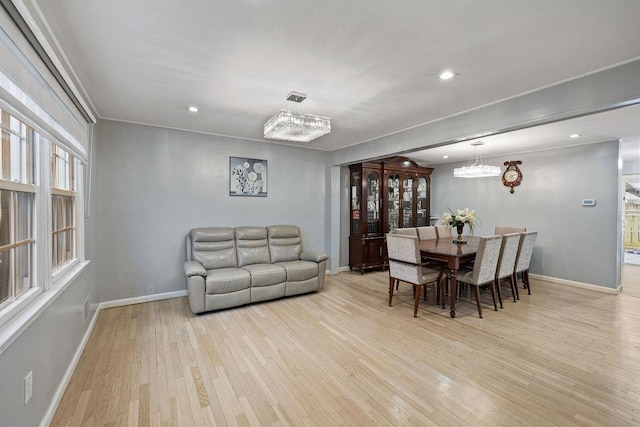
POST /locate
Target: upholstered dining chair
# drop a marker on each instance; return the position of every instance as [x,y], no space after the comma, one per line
[410,231]
[504,229]
[427,233]
[405,265]
[484,268]
[525,250]
[507,263]
[443,231]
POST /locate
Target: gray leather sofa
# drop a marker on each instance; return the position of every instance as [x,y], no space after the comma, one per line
[227,267]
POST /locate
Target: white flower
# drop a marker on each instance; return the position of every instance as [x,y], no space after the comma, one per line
[258,167]
[252,176]
[246,165]
[462,216]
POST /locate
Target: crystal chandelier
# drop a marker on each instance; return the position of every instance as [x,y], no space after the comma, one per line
[476,169]
[288,125]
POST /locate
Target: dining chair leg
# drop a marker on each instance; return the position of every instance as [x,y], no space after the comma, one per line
[497,284]
[438,280]
[514,286]
[477,288]
[425,292]
[515,280]
[493,294]
[417,299]
[525,279]
[391,283]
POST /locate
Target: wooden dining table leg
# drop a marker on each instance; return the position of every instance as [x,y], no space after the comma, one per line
[452,290]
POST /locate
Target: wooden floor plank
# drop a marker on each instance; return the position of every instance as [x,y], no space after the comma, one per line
[561,356]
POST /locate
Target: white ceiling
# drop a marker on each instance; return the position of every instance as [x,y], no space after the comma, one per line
[371,65]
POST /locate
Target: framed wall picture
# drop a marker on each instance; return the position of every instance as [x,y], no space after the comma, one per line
[247,177]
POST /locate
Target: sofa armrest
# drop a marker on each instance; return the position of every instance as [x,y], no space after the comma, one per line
[194,268]
[313,256]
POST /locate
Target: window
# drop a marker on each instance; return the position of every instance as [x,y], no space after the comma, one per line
[63,202]
[17,195]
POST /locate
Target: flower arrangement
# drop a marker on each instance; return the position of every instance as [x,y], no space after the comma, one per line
[461,217]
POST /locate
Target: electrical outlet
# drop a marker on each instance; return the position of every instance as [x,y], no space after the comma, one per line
[86,307]
[28,387]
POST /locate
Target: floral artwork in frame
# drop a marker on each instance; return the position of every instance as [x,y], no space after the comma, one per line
[247,177]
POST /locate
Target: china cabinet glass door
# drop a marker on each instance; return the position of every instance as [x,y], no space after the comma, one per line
[422,201]
[355,203]
[373,203]
[393,208]
[407,201]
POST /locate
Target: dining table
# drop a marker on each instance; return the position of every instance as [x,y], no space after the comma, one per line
[454,255]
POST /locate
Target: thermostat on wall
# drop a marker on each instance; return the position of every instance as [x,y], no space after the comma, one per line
[588,202]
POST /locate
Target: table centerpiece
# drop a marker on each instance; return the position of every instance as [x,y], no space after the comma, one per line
[458,220]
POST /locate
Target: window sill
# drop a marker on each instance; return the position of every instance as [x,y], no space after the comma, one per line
[16,325]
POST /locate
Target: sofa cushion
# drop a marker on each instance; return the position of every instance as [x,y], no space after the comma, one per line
[266,274]
[252,246]
[213,247]
[285,243]
[225,280]
[300,270]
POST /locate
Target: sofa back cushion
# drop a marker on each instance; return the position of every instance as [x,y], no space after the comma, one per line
[252,245]
[285,243]
[213,247]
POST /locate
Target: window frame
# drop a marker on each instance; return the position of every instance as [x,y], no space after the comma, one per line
[67,189]
[45,279]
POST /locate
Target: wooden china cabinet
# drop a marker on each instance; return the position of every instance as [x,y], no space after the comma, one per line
[385,195]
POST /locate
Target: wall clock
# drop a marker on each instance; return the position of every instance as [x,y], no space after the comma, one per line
[512,175]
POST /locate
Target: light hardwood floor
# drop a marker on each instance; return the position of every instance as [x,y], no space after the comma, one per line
[631,280]
[561,356]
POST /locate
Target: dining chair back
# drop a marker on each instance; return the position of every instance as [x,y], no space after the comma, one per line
[411,231]
[443,231]
[523,259]
[405,265]
[484,268]
[507,262]
[504,229]
[427,233]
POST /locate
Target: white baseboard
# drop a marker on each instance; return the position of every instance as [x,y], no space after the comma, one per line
[55,401]
[576,284]
[344,268]
[146,298]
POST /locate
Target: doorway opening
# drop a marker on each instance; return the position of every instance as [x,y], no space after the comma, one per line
[631,226]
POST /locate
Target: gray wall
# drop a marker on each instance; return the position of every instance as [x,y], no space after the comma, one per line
[156,184]
[574,242]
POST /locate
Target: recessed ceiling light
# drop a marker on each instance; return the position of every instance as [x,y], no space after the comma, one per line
[445,157]
[574,135]
[192,109]
[446,75]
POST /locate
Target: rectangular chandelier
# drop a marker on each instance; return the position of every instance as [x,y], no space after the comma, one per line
[295,126]
[476,169]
